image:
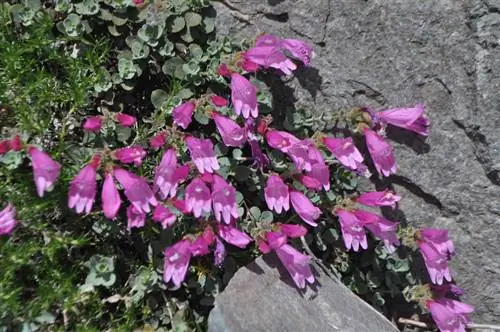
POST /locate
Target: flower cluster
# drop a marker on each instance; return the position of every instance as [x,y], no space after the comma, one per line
[194,188]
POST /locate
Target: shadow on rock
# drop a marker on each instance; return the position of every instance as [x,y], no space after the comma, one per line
[412,140]
[309,79]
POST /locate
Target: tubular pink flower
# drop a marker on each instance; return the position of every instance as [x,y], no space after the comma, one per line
[176,263]
[233,236]
[110,197]
[4,146]
[310,182]
[353,232]
[137,190]
[183,114]
[180,205]
[439,239]
[219,101]
[293,231]
[344,150]
[380,227]
[300,155]
[224,200]
[45,170]
[304,208]
[379,198]
[232,134]
[276,194]
[299,50]
[82,189]
[319,170]
[125,119]
[131,154]
[297,265]
[93,124]
[202,153]
[164,216]
[200,246]
[450,315]
[157,141]
[436,263]
[243,96]
[270,56]
[248,66]
[198,199]
[7,220]
[281,140]
[135,218]
[381,153]
[411,118]
[219,252]
[168,175]
[260,160]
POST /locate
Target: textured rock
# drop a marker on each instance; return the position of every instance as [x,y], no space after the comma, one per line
[387,53]
[256,299]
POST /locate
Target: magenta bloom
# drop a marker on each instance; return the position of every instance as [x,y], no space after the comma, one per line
[200,246]
[259,158]
[270,56]
[439,239]
[202,153]
[110,197]
[219,252]
[125,119]
[276,194]
[299,49]
[345,151]
[243,96]
[353,232]
[300,155]
[319,170]
[198,199]
[233,236]
[132,154]
[411,118]
[82,189]
[7,220]
[232,134]
[164,216]
[135,218]
[304,208]
[168,175]
[157,141]
[309,182]
[436,263]
[450,315]
[380,227]
[93,124]
[45,170]
[176,262]
[281,140]
[293,231]
[219,101]
[381,153]
[224,200]
[137,190]
[379,198]
[183,114]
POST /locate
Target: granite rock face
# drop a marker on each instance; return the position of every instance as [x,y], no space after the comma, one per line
[256,299]
[444,53]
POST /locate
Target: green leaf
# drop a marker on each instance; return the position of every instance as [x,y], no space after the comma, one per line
[173,67]
[158,98]
[177,24]
[87,7]
[201,118]
[266,216]
[238,154]
[191,68]
[11,160]
[192,19]
[254,213]
[196,51]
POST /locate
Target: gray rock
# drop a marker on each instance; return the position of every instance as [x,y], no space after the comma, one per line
[256,299]
[445,53]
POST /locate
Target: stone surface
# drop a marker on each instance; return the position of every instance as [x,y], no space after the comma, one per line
[387,53]
[262,297]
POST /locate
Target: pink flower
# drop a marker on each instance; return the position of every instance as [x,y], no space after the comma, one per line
[233,236]
[82,189]
[176,262]
[138,2]
[381,153]
[300,155]
[436,263]
[276,194]
[4,146]
[219,252]
[304,208]
[164,216]
[309,182]
[110,197]
[319,170]
[168,175]
[232,134]
[439,239]
[137,190]
[223,70]
[345,151]
[180,205]
[248,66]
[380,227]
[243,96]
[281,140]
[202,153]
[299,49]
[411,118]
[135,218]
[260,160]
[132,154]
[183,114]
[224,200]
[293,231]
[198,198]
[450,315]
[379,198]
[16,144]
[7,220]
[157,141]
[270,56]
[93,124]
[200,246]
[219,101]
[353,232]
[125,119]
[45,170]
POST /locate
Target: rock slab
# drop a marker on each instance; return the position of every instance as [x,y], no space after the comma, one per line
[262,297]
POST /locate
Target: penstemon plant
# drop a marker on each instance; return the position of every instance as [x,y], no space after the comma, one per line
[236,177]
